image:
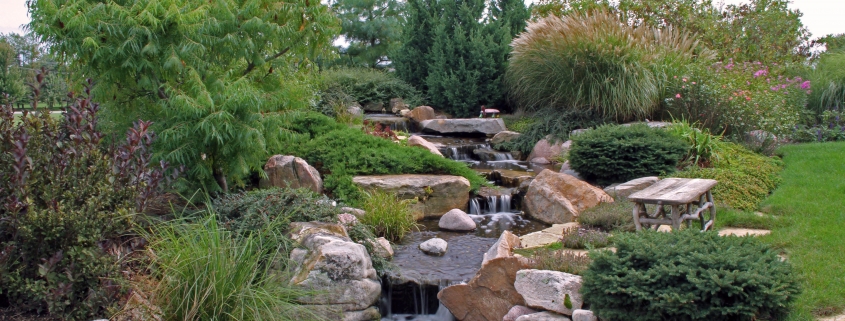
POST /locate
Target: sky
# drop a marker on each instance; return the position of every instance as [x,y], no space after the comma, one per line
[821,17]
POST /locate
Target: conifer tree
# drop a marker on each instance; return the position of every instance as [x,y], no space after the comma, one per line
[460,61]
[372,28]
[218,78]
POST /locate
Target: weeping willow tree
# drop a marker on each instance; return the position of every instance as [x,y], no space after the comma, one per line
[595,63]
[219,78]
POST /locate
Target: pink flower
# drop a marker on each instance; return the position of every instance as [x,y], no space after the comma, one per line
[684,79]
[677,95]
[775,88]
[693,83]
[805,85]
[747,98]
[761,72]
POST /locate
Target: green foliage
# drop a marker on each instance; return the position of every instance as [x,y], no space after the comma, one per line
[21,58]
[610,217]
[364,86]
[703,146]
[207,273]
[552,123]
[828,79]
[595,62]
[344,152]
[576,238]
[372,28]
[829,127]
[547,258]
[735,98]
[757,30]
[456,52]
[688,275]
[387,215]
[216,77]
[745,178]
[614,153]
[833,42]
[65,201]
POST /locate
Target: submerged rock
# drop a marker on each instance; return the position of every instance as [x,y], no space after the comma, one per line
[435,246]
[456,220]
[559,198]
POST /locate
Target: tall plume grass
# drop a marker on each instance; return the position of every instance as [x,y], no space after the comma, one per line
[596,62]
[205,272]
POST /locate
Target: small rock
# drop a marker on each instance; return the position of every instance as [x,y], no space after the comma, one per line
[293,172]
[538,239]
[550,290]
[421,142]
[517,311]
[540,160]
[543,316]
[742,232]
[367,314]
[353,211]
[502,248]
[504,136]
[382,248]
[355,110]
[559,228]
[456,220]
[405,113]
[374,106]
[347,219]
[583,315]
[435,246]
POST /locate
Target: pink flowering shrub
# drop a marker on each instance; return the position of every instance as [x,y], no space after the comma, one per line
[734,98]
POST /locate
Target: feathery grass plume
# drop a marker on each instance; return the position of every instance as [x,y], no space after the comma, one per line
[596,62]
[207,273]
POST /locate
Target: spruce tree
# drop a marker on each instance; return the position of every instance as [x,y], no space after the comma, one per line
[372,28]
[459,63]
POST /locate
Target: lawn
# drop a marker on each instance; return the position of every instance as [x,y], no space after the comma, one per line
[811,203]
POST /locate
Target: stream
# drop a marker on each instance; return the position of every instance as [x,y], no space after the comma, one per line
[409,292]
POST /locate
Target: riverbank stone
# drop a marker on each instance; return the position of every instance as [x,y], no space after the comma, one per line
[435,194]
[291,172]
[421,142]
[555,198]
[489,295]
[550,290]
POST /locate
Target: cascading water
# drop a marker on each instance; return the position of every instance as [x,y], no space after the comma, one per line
[424,305]
[492,204]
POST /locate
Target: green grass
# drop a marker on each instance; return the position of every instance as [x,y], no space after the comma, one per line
[811,201]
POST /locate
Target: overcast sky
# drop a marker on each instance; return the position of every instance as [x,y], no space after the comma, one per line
[822,17]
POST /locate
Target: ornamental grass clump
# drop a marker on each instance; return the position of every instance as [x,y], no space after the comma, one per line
[387,215]
[596,62]
[689,275]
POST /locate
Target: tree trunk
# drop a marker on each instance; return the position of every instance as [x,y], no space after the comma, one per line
[221,180]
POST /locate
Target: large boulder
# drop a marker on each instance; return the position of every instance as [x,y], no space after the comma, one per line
[337,270]
[456,220]
[556,198]
[548,150]
[355,110]
[421,142]
[489,295]
[550,290]
[421,113]
[631,187]
[502,248]
[397,104]
[435,194]
[504,136]
[293,172]
[374,106]
[465,126]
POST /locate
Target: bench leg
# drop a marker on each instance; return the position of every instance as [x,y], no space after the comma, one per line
[712,220]
[676,217]
[637,213]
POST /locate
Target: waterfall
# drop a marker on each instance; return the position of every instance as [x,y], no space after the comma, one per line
[424,296]
[474,207]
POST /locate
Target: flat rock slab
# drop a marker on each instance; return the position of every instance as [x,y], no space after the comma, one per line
[438,193]
[742,232]
[466,126]
[543,316]
[538,239]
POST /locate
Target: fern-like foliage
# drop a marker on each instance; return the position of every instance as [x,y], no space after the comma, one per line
[216,77]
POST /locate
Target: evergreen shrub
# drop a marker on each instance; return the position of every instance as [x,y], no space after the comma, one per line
[688,275]
[344,152]
[363,85]
[552,123]
[613,153]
